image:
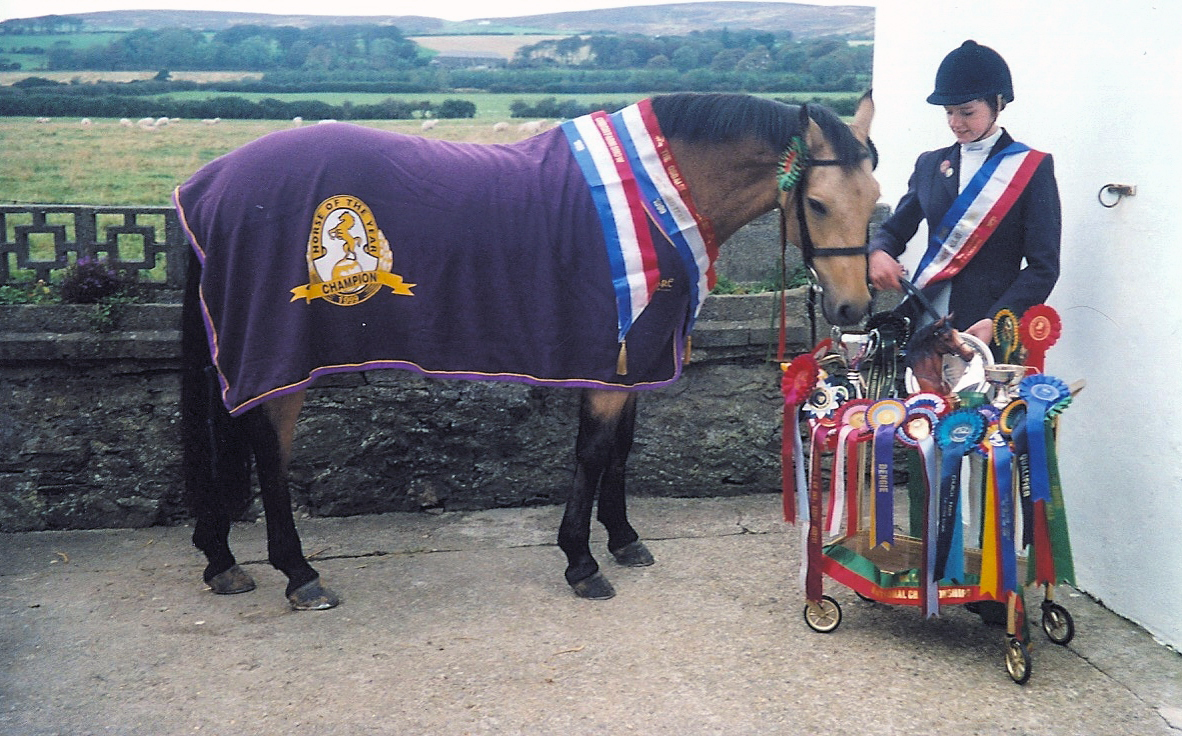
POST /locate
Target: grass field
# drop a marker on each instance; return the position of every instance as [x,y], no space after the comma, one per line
[62,163]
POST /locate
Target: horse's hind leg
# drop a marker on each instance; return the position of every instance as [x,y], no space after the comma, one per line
[271,429]
[606,421]
[216,454]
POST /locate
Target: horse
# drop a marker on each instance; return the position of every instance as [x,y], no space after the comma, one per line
[926,351]
[717,161]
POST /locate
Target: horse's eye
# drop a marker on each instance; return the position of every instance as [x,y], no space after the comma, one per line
[818,208]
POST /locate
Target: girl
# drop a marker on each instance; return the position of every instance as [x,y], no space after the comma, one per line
[991,205]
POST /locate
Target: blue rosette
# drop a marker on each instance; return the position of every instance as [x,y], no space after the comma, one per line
[1045,397]
[1048,391]
[962,428]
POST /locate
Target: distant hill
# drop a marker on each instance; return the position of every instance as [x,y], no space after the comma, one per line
[804,21]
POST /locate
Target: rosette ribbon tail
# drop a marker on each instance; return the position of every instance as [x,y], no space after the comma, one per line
[813,529]
[931,591]
[1043,394]
[791,461]
[884,489]
[798,380]
[1001,461]
[1057,523]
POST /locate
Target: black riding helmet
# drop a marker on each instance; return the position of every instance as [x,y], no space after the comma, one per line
[972,72]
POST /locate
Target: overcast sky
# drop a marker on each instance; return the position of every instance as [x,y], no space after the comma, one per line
[447,9]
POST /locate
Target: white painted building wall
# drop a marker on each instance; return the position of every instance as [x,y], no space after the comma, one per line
[1097,84]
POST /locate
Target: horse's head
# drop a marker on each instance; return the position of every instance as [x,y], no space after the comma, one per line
[727,148]
[829,201]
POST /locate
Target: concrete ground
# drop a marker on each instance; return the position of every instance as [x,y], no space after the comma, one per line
[461,623]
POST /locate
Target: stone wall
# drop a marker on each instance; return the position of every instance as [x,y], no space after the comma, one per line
[89,433]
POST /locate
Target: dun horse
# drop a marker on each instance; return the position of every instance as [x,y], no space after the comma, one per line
[578,257]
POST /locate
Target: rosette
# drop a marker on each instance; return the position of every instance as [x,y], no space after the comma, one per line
[799,378]
[792,163]
[963,428]
[886,413]
[1049,392]
[1012,417]
[927,400]
[918,425]
[826,398]
[1045,396]
[853,414]
[1039,330]
[1005,334]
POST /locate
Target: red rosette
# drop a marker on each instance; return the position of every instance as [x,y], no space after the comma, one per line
[800,376]
[1040,329]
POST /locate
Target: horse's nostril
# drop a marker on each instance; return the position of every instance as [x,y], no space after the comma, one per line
[849,313]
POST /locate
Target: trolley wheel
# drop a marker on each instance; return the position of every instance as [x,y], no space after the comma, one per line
[1057,623]
[1017,660]
[823,617]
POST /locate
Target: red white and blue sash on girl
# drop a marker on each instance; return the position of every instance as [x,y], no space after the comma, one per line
[977,212]
[631,173]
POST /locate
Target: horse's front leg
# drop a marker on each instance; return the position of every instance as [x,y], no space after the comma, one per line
[272,429]
[622,540]
[606,421]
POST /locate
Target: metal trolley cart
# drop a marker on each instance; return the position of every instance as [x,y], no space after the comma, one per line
[983,507]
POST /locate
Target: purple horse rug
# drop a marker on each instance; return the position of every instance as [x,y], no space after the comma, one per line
[339,248]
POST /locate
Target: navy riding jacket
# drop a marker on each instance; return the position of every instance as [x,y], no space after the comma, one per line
[1015,268]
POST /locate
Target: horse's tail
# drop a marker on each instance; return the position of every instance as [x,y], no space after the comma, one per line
[216,450]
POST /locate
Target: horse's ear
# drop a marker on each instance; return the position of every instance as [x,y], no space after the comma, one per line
[862,118]
[809,130]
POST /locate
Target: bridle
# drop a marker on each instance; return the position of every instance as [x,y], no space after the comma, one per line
[797,157]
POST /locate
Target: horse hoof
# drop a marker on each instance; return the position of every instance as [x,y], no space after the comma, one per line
[232,581]
[633,555]
[312,596]
[594,588]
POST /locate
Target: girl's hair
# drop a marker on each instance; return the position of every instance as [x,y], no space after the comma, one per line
[995,103]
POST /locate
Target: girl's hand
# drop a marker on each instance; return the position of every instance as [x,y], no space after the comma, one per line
[982,330]
[885,271]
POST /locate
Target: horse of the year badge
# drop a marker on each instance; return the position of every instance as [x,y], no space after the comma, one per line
[339,247]
[349,258]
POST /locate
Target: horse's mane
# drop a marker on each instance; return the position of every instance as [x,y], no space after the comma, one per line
[729,117]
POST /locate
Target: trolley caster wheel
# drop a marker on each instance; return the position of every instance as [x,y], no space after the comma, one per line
[1057,623]
[823,617]
[1017,660]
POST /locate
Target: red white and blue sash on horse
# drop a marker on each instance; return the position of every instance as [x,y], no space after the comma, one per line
[632,173]
[339,248]
[977,212]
